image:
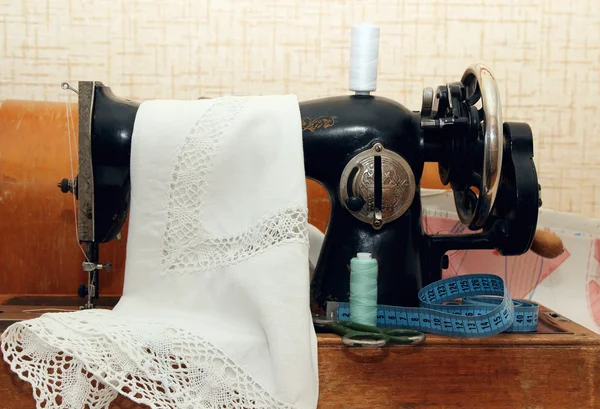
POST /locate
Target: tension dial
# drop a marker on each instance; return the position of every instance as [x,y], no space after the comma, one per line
[377,186]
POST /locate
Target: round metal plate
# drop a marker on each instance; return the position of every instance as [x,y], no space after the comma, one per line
[398,184]
[480,83]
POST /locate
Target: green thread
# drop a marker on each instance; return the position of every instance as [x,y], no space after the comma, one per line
[363,290]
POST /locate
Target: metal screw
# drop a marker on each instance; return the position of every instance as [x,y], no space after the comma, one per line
[378,147]
[377,219]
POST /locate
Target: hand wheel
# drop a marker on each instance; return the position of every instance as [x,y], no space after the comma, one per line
[473,208]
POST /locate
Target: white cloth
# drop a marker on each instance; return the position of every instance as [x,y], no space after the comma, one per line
[215,306]
[315,239]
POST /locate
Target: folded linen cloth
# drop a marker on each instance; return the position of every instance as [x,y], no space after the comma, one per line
[215,306]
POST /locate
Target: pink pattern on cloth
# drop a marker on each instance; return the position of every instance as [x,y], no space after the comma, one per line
[521,273]
[593,283]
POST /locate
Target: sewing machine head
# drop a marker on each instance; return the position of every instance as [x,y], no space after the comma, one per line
[369,153]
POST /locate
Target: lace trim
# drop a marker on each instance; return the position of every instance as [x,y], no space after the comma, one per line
[186,246]
[151,363]
[194,161]
[203,253]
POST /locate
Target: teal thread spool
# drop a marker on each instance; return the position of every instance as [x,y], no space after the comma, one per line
[363,289]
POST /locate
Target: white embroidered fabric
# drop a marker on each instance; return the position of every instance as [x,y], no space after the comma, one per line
[290,224]
[188,185]
[153,363]
[218,197]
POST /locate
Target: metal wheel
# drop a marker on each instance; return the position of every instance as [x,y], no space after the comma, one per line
[480,85]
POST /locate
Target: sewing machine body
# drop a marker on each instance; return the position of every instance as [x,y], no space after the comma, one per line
[345,138]
[356,124]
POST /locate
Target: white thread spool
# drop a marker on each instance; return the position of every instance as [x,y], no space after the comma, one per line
[364,54]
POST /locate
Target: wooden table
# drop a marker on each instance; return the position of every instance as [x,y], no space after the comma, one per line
[557,367]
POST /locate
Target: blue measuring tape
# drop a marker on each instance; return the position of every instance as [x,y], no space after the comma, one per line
[486,309]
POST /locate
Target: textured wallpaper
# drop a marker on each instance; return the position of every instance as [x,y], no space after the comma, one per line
[545,54]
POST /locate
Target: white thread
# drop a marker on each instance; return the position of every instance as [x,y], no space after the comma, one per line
[364,54]
[47,310]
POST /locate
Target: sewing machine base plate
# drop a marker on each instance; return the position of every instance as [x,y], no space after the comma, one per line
[557,367]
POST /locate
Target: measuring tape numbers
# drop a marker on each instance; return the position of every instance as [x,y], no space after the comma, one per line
[485,309]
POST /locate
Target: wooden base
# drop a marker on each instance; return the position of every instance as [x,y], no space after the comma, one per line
[556,367]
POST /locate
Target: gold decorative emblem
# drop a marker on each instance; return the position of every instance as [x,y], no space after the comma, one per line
[398,185]
[312,124]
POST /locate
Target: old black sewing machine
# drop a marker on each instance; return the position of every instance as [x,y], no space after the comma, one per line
[368,152]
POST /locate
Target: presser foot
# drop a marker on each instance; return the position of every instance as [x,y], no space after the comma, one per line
[91,290]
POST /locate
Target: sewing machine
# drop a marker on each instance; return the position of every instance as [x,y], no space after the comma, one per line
[368,152]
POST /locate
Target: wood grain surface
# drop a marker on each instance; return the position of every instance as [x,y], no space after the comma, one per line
[38,247]
[440,377]
[39,253]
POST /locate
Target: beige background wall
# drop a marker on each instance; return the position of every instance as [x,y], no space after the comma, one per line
[545,53]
